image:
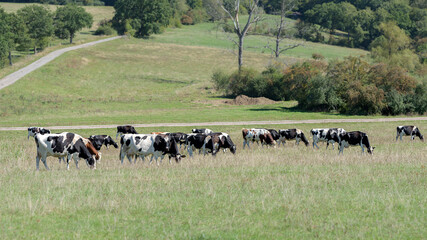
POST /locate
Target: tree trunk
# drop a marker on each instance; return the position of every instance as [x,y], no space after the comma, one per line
[240,51]
[35,49]
[10,58]
[71,38]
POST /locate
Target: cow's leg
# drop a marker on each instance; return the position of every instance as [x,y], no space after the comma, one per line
[341,148]
[401,135]
[76,160]
[397,136]
[37,162]
[190,150]
[315,143]
[44,162]
[129,158]
[68,161]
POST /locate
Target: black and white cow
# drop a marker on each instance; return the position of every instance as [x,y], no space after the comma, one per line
[354,139]
[149,144]
[196,141]
[292,134]
[33,130]
[328,135]
[99,140]
[65,144]
[215,141]
[202,130]
[125,129]
[412,131]
[275,134]
[180,138]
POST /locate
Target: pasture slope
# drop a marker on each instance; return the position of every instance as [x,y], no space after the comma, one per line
[294,192]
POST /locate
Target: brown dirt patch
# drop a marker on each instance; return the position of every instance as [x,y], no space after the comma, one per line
[245,100]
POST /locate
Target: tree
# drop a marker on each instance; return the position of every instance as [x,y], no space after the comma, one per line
[70,19]
[233,12]
[285,8]
[5,35]
[13,32]
[39,23]
[392,47]
[143,17]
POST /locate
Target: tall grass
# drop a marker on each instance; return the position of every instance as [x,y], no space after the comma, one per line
[292,192]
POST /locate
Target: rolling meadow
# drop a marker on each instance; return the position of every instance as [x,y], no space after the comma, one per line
[285,192]
[290,192]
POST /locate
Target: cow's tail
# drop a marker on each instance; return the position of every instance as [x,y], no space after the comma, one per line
[304,139]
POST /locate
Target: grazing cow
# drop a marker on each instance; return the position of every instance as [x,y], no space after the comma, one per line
[257,135]
[292,134]
[149,144]
[328,135]
[202,130]
[274,134]
[62,145]
[412,131]
[125,129]
[215,141]
[195,141]
[99,140]
[33,130]
[353,139]
[180,138]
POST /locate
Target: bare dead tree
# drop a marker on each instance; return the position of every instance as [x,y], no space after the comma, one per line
[286,7]
[253,17]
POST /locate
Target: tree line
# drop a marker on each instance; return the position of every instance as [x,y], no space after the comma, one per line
[348,86]
[33,26]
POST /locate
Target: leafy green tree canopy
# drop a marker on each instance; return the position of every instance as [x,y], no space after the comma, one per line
[39,22]
[70,19]
[141,18]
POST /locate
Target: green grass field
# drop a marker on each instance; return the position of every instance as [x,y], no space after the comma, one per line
[293,192]
[277,193]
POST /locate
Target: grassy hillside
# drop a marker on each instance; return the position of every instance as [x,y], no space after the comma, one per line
[293,192]
[133,81]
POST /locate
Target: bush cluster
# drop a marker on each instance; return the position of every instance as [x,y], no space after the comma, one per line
[349,86]
[105,28]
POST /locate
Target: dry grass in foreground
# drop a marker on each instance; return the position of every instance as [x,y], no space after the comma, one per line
[291,192]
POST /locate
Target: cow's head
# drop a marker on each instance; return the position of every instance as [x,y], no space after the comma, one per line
[371,150]
[91,162]
[109,141]
[418,134]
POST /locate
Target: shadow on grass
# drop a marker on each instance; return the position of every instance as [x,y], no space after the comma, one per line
[293,109]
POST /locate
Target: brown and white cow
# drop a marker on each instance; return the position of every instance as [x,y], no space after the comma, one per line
[354,139]
[65,144]
[292,134]
[215,141]
[257,135]
[412,131]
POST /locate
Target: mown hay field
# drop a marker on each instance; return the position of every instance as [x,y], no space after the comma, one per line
[292,192]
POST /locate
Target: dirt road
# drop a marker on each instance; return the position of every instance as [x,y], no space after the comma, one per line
[243,123]
[12,78]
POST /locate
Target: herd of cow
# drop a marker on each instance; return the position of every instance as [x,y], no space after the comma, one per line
[66,146]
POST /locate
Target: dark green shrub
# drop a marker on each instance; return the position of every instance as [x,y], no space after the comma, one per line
[221,81]
[104,30]
[241,82]
[321,95]
[394,104]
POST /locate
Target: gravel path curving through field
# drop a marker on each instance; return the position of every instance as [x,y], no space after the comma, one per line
[12,78]
[243,123]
